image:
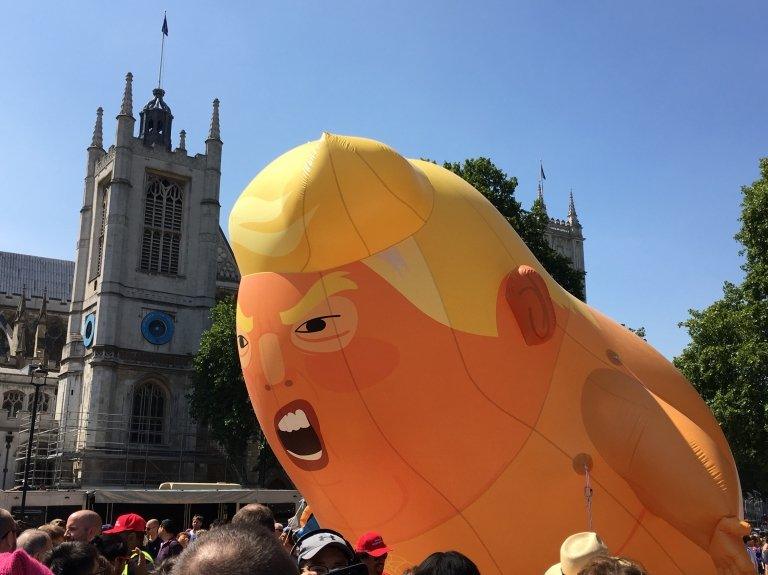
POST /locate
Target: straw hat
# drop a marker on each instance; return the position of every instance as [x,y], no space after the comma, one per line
[576,551]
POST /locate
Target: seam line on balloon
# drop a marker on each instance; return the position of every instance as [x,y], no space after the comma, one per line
[343,203]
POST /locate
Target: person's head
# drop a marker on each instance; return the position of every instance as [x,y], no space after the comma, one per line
[612,566]
[131,527]
[152,526]
[168,530]
[8,531]
[279,529]
[372,552]
[55,532]
[255,515]
[183,539]
[58,522]
[35,542]
[83,525]
[114,548]
[446,563]
[233,550]
[576,551]
[322,551]
[197,522]
[73,558]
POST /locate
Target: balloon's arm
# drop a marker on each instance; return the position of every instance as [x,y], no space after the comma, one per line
[677,471]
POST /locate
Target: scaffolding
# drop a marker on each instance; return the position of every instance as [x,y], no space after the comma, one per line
[82,450]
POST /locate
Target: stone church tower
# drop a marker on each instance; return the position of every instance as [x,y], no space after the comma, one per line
[565,236]
[147,272]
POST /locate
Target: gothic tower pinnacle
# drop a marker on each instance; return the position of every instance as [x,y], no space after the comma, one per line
[573,219]
[98,131]
[126,108]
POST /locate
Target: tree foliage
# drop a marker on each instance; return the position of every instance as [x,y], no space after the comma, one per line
[499,189]
[727,358]
[218,398]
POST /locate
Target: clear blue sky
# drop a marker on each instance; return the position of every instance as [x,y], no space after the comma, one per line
[653,112]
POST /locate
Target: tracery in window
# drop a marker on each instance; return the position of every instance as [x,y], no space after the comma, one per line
[147,414]
[13,402]
[43,404]
[160,243]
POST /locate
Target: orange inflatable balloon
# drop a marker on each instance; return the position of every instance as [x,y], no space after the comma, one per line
[418,373]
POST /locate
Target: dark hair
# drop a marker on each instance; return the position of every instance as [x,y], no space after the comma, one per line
[169,525]
[446,563]
[255,515]
[106,565]
[612,566]
[72,558]
[234,550]
[111,546]
[200,517]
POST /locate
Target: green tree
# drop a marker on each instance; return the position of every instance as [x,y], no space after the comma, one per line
[218,398]
[499,189]
[727,358]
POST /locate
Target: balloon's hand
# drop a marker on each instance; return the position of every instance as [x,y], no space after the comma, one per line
[727,548]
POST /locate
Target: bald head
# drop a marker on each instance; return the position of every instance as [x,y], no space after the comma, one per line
[233,550]
[83,526]
[255,515]
[35,542]
[152,526]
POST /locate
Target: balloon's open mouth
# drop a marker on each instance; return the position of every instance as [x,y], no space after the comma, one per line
[299,433]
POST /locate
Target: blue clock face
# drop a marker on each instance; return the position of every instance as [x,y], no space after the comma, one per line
[157,327]
[89,329]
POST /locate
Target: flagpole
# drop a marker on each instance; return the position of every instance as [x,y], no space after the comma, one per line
[162,50]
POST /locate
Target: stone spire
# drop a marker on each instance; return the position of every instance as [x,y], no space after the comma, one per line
[215,131]
[19,339]
[43,313]
[98,132]
[126,108]
[41,330]
[183,140]
[573,219]
[540,197]
[21,309]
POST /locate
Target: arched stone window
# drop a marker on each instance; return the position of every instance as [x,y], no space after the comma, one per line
[148,414]
[43,405]
[13,402]
[161,241]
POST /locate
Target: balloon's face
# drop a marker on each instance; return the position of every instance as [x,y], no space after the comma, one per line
[327,356]
[301,333]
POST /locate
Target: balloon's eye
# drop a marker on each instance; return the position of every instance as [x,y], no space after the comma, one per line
[242,342]
[315,324]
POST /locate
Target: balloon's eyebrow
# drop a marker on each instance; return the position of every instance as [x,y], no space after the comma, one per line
[323,288]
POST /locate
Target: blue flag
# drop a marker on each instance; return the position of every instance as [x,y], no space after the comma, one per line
[541,167]
[165,26]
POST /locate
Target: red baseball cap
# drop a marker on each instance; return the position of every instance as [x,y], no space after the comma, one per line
[372,544]
[128,522]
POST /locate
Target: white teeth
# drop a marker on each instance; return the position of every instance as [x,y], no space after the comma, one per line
[294,421]
[312,457]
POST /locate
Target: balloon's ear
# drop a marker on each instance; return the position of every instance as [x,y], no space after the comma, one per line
[528,298]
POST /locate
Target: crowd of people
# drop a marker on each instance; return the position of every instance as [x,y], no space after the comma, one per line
[757,547]
[251,544]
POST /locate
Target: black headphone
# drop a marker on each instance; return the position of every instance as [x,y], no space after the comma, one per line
[300,540]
